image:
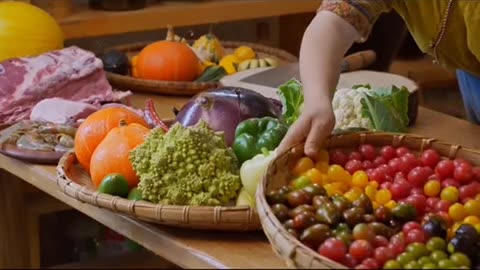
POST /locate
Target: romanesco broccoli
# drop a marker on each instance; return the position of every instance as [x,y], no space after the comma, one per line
[187,166]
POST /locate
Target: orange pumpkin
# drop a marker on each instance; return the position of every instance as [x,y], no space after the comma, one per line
[94,129]
[167,61]
[112,154]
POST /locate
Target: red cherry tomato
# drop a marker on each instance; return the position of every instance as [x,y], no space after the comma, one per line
[450,182]
[416,191]
[416,236]
[417,177]
[394,165]
[397,243]
[446,217]
[400,189]
[430,158]
[411,225]
[469,191]
[432,202]
[378,175]
[476,172]
[386,185]
[371,263]
[360,250]
[333,249]
[378,161]
[428,172]
[353,165]
[407,162]
[355,155]
[444,169]
[368,151]
[349,261]
[402,151]
[338,157]
[419,201]
[383,254]
[367,164]
[442,205]
[380,241]
[463,173]
[388,152]
[459,161]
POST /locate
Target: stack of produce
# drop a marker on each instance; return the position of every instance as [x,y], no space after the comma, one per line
[195,161]
[173,59]
[385,207]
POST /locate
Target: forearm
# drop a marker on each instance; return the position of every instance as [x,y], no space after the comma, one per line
[324,44]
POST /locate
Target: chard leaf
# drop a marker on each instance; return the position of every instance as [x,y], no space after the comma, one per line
[291,96]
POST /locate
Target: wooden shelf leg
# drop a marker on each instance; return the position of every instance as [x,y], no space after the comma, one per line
[14,251]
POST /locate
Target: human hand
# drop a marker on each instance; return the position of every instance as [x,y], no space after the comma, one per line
[313,126]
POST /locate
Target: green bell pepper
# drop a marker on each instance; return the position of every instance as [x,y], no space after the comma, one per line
[253,136]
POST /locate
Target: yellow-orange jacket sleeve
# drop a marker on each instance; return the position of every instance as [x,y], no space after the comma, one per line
[361,14]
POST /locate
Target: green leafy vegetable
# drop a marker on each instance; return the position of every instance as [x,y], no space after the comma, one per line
[368,86]
[387,108]
[291,96]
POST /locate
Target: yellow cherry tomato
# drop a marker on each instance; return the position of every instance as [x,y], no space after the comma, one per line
[432,188]
[323,156]
[304,164]
[457,212]
[473,220]
[450,194]
[391,204]
[472,207]
[477,226]
[373,184]
[335,173]
[315,176]
[477,197]
[375,205]
[360,179]
[370,191]
[383,196]
[322,166]
[352,194]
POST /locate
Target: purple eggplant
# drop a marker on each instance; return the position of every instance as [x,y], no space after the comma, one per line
[224,108]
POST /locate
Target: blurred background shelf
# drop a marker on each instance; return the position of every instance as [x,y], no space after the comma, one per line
[83,22]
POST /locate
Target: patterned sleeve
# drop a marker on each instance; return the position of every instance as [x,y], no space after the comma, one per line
[361,14]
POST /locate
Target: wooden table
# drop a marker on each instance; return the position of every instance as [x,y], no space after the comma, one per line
[84,22]
[185,248]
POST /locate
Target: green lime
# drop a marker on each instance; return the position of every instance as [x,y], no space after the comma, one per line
[446,263]
[418,250]
[436,243]
[135,195]
[405,258]
[115,185]
[460,259]
[438,255]
[424,260]
[392,264]
[430,266]
[412,265]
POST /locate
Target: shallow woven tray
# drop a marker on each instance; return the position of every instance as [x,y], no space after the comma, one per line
[278,174]
[75,182]
[184,88]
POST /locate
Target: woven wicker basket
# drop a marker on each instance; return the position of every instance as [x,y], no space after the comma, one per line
[75,182]
[278,174]
[185,88]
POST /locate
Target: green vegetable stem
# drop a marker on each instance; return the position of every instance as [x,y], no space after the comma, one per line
[256,136]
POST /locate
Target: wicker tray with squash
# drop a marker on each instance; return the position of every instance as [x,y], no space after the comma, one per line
[177,66]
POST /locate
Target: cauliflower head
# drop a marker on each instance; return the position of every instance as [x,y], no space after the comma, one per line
[187,166]
[347,107]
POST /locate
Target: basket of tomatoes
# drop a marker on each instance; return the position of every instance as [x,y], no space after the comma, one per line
[374,200]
